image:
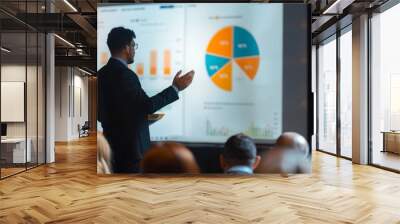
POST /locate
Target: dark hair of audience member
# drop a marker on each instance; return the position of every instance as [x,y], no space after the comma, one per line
[239,149]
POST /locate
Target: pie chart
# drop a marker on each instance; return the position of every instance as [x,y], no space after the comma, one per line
[231,44]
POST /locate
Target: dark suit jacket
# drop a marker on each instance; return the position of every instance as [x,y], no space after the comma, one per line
[123,107]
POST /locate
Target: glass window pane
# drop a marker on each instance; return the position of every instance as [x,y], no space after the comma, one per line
[385,84]
[23,87]
[31,97]
[14,153]
[327,96]
[346,94]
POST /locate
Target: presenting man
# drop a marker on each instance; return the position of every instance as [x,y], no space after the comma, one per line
[123,104]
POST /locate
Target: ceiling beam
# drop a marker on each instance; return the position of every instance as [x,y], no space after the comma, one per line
[86,27]
[78,61]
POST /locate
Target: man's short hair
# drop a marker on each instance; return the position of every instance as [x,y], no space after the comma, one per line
[118,38]
[239,149]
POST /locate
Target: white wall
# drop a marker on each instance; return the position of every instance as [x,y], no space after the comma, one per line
[12,73]
[16,73]
[71,93]
[61,103]
[81,96]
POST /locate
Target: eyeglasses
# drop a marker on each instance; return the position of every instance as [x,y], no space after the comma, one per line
[135,46]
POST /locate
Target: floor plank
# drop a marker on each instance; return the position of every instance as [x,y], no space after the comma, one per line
[70,191]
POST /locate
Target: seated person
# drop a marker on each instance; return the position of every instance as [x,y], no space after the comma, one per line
[289,155]
[239,155]
[169,157]
[103,155]
[294,141]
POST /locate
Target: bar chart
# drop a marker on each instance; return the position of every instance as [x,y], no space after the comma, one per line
[152,69]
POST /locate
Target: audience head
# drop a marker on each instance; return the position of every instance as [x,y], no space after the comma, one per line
[121,44]
[169,157]
[103,155]
[293,140]
[289,155]
[239,150]
[293,161]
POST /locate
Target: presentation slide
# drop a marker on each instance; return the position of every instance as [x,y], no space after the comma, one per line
[236,51]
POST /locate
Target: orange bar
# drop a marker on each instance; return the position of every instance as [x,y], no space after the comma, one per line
[167,62]
[103,58]
[139,69]
[153,62]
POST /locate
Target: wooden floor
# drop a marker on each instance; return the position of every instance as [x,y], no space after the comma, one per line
[386,159]
[5,172]
[69,191]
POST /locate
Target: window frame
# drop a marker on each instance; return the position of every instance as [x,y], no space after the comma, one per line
[333,37]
